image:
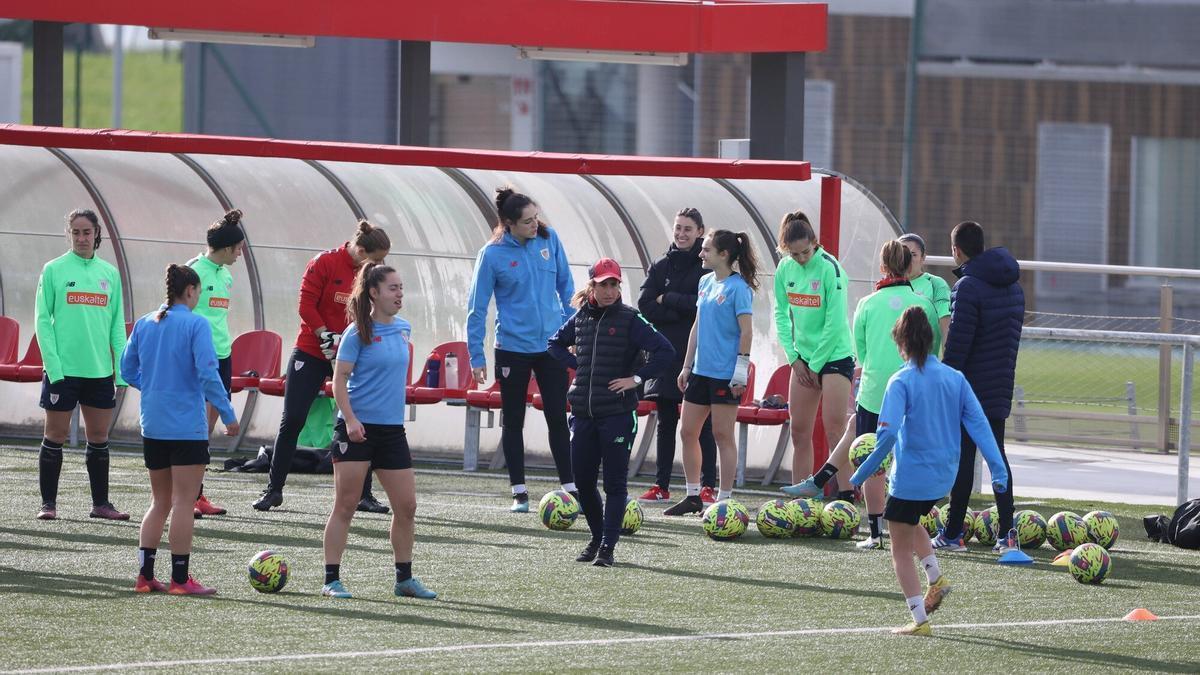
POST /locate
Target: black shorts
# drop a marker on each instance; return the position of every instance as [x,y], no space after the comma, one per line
[386,446]
[703,390]
[843,367]
[865,421]
[160,454]
[908,511]
[64,395]
[225,371]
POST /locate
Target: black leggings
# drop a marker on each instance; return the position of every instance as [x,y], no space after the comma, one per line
[668,423]
[512,371]
[961,492]
[305,376]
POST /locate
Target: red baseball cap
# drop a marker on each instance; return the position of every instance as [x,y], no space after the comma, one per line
[605,268]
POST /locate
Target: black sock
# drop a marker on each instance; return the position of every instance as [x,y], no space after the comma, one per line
[96,458]
[146,562]
[332,573]
[875,520]
[521,496]
[846,495]
[179,567]
[822,477]
[49,467]
[403,571]
[201,492]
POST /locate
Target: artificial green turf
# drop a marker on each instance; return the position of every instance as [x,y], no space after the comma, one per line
[503,578]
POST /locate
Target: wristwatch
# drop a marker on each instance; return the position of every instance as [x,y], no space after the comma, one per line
[637,380]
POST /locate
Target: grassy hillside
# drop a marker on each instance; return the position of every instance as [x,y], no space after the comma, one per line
[153,91]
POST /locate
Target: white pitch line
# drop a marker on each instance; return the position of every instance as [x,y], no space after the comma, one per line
[559,643]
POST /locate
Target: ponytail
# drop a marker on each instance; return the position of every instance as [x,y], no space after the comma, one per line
[358,309]
[178,279]
[913,335]
[371,238]
[737,245]
[795,226]
[510,204]
[583,295]
[896,259]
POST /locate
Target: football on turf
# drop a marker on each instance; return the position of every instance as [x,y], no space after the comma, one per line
[558,510]
[968,527]
[268,572]
[986,522]
[1031,528]
[806,514]
[1102,528]
[1090,563]
[634,517]
[839,520]
[775,519]
[1065,530]
[725,520]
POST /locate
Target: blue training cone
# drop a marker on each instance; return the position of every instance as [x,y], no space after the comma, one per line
[1014,556]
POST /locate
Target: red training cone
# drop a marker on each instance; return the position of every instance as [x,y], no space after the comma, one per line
[1141,614]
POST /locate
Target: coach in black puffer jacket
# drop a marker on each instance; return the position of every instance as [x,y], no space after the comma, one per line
[987,308]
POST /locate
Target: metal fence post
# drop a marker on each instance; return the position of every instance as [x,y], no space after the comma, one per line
[1018,418]
[1131,401]
[1165,303]
[1185,422]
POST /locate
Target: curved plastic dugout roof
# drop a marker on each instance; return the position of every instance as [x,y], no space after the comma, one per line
[156,193]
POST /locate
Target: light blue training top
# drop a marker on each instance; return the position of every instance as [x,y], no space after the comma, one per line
[718,306]
[173,363]
[377,382]
[923,409]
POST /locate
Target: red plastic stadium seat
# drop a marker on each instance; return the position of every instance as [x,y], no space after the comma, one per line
[646,407]
[534,397]
[256,355]
[28,369]
[484,398]
[10,340]
[271,386]
[777,385]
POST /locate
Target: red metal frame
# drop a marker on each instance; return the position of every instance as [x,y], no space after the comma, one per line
[534,162]
[694,26]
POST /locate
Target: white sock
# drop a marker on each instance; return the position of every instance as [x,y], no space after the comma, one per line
[569,487]
[932,571]
[724,494]
[519,489]
[693,489]
[916,605]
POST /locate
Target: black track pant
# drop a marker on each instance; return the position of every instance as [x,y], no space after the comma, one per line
[668,424]
[305,376]
[512,371]
[961,492]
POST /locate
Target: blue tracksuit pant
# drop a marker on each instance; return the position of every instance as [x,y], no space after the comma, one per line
[606,441]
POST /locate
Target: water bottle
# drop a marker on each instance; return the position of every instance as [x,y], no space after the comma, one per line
[450,369]
[433,367]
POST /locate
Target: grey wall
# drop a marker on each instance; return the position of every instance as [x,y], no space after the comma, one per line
[339,90]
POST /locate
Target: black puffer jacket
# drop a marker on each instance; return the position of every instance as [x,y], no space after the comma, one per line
[608,342]
[987,309]
[676,277]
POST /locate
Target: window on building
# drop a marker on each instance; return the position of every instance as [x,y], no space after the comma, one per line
[1165,202]
[1071,210]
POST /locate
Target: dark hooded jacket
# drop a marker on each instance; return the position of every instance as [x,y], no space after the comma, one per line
[676,277]
[987,309]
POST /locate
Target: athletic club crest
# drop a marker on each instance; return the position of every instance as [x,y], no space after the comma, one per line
[721,299]
[53,399]
[104,285]
[342,447]
[815,284]
[504,372]
[299,365]
[545,254]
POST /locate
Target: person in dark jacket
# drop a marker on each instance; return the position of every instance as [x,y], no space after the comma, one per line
[987,309]
[668,300]
[608,337]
